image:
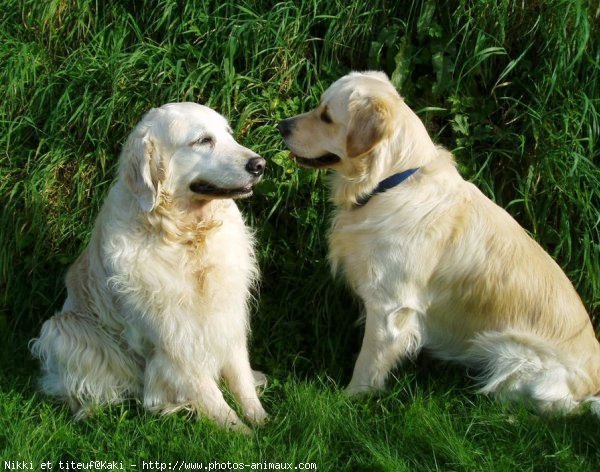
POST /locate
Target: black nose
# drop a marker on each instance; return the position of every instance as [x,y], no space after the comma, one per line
[256,166]
[285,127]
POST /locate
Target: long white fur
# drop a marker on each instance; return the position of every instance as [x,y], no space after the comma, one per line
[157,304]
[437,264]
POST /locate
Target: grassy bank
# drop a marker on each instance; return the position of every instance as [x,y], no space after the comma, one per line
[513,88]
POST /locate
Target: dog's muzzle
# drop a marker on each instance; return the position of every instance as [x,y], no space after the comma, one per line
[286,127]
[255,166]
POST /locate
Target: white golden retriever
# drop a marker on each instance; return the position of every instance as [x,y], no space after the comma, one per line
[437,264]
[157,302]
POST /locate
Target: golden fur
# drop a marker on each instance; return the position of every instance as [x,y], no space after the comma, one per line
[157,302]
[437,264]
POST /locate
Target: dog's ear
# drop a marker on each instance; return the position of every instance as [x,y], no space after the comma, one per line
[370,122]
[139,167]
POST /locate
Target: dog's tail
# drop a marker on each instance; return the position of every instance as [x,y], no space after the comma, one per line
[518,367]
[593,403]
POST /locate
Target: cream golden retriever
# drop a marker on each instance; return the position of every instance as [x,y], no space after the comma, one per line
[157,303]
[437,264]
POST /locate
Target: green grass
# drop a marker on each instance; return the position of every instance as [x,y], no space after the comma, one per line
[512,87]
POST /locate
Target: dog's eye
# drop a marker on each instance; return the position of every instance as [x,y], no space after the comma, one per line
[325,117]
[204,141]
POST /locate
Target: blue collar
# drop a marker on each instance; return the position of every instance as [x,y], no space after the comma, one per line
[387,184]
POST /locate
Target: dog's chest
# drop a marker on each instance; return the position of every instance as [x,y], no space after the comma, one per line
[373,257]
[221,257]
[190,275]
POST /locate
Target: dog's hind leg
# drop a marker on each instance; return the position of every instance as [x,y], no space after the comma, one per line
[83,364]
[388,339]
[260,379]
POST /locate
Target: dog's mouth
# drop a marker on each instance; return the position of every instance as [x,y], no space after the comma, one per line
[326,160]
[203,188]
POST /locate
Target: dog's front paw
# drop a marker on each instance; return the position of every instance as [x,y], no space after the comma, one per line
[231,422]
[256,415]
[238,427]
[356,390]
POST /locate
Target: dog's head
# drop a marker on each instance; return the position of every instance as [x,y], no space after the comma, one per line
[356,113]
[188,151]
